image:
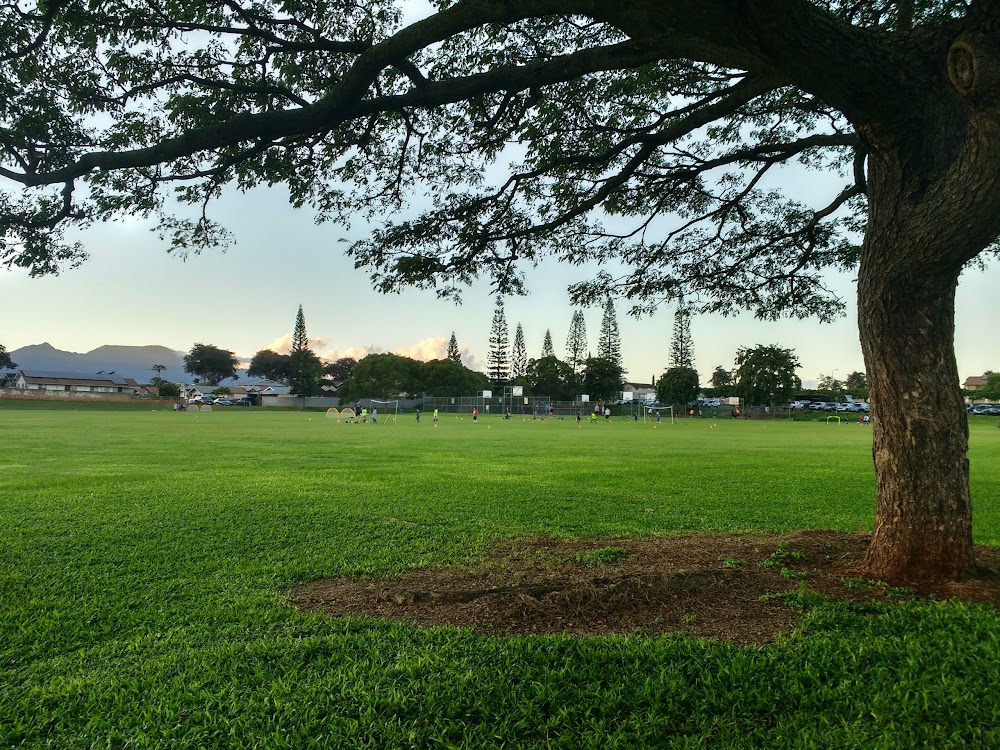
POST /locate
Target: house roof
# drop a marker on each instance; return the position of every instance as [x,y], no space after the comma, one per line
[44,377]
[976,381]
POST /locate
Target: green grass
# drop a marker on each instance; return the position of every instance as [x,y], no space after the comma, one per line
[144,556]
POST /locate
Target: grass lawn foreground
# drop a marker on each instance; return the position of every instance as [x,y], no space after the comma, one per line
[146,560]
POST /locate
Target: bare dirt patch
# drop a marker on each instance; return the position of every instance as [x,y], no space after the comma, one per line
[727,587]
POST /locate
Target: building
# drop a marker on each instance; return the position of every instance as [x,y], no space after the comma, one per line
[46,383]
[638,392]
[974,383]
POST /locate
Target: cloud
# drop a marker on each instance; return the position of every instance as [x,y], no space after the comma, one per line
[283,344]
[423,351]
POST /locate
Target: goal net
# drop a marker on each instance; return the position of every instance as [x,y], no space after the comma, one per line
[388,411]
[656,413]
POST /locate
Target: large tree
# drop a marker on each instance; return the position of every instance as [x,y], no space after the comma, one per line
[548,350]
[5,360]
[721,377]
[498,357]
[602,378]
[651,130]
[305,371]
[383,376]
[340,369]
[453,352]
[518,355]
[445,377]
[766,374]
[678,385]
[856,380]
[576,341]
[269,364]
[552,378]
[211,363]
[609,345]
[681,342]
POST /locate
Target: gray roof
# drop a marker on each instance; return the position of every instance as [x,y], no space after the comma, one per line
[51,375]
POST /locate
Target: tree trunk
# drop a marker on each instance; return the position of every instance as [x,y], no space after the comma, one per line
[917,241]
[934,204]
[923,520]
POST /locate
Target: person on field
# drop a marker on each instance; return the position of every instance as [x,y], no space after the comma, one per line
[364,415]
[418,415]
[435,416]
[475,414]
[607,413]
[357,411]
[374,415]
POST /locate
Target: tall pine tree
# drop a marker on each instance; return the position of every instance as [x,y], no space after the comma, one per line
[497,361]
[682,345]
[519,357]
[609,346]
[453,353]
[576,341]
[547,349]
[305,371]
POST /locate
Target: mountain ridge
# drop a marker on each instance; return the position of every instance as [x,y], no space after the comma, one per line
[128,361]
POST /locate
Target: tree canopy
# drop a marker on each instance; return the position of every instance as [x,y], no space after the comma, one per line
[211,363]
[305,371]
[5,360]
[650,136]
[268,364]
[678,385]
[340,369]
[445,377]
[453,353]
[576,341]
[498,357]
[383,376]
[602,378]
[766,374]
[552,378]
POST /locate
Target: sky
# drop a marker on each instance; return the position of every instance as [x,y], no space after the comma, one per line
[132,292]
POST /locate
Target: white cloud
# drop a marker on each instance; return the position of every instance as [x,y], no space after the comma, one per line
[423,351]
[283,344]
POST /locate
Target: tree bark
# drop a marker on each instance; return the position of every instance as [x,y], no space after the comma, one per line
[934,203]
[923,520]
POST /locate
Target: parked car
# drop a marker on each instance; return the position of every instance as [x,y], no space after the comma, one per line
[223,402]
[245,401]
[981,409]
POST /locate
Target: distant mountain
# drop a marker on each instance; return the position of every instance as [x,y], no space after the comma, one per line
[127,361]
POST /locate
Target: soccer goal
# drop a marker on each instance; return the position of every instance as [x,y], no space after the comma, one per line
[656,413]
[387,410]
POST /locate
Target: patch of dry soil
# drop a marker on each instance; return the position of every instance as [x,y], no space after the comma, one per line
[714,586]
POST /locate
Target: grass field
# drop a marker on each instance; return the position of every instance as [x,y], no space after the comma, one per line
[144,557]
